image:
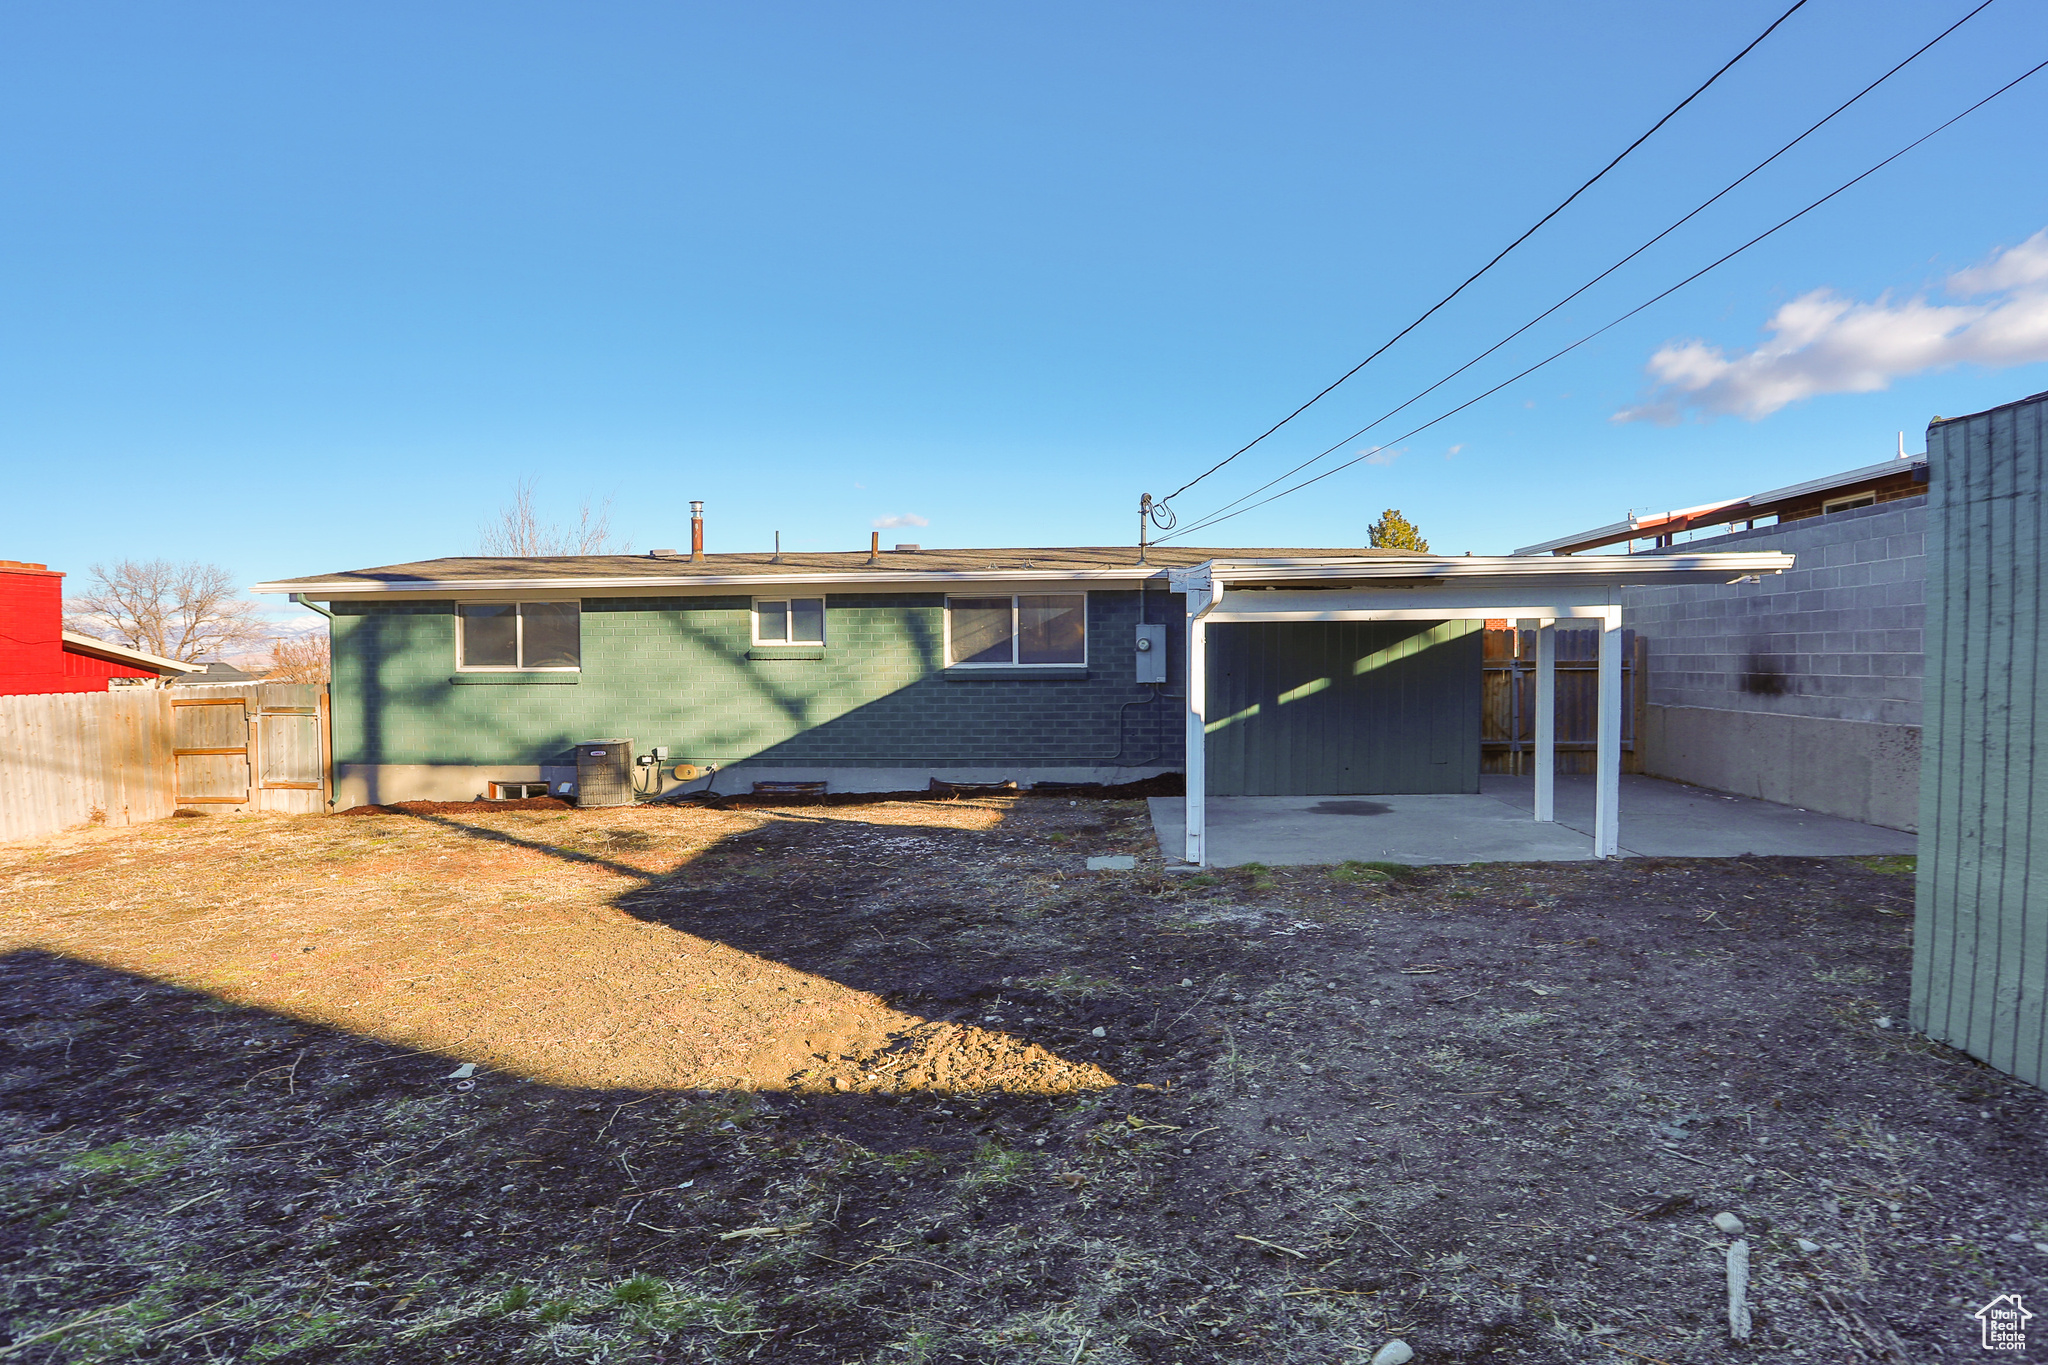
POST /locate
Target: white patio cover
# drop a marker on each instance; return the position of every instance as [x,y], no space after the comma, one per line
[1532,590]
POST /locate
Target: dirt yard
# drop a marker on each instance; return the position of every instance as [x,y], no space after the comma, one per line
[902,1083]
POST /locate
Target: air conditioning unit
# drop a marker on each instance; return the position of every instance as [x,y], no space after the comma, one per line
[604,772]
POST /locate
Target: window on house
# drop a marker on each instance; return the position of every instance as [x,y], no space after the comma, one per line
[789,621]
[1844,504]
[519,635]
[1028,628]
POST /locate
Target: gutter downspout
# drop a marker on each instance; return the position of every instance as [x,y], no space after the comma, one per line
[1194,804]
[326,703]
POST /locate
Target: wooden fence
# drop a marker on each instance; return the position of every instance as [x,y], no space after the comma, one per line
[138,753]
[1507,733]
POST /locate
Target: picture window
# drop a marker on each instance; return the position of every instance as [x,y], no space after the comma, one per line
[519,636]
[1018,630]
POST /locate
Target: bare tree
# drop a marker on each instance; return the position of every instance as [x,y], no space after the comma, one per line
[297,659]
[520,533]
[186,612]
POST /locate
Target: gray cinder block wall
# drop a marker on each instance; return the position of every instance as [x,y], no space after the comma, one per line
[1803,688]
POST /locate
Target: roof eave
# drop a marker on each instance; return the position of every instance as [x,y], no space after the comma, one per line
[1736,564]
[86,644]
[458,587]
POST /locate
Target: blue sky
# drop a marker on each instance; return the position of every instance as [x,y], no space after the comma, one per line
[297,288]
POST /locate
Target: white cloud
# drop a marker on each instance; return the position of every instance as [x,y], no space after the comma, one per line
[900,520]
[1381,455]
[1823,343]
[1454,450]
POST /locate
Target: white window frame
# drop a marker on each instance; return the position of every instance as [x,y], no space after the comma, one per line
[788,616]
[1849,502]
[462,664]
[946,611]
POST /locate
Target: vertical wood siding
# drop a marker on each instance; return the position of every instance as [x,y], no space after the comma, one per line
[1980,946]
[1337,708]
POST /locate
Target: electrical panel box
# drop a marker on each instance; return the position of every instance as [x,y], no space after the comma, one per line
[1151,654]
[604,772]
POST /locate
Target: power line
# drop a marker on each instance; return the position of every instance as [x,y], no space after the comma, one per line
[1705,205]
[1797,5]
[1555,355]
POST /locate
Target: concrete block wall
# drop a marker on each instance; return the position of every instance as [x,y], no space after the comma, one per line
[1838,637]
[1805,687]
[681,672]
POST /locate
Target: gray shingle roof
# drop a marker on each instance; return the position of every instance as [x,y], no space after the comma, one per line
[888,564]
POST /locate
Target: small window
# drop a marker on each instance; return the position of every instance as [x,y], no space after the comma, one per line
[1029,628]
[789,620]
[1844,504]
[529,636]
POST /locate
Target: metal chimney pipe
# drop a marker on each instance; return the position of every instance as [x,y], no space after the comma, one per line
[874,547]
[696,533]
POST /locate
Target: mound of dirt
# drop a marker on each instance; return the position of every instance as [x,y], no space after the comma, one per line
[461,807]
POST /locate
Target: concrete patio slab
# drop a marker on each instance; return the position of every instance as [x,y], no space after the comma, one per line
[1658,819]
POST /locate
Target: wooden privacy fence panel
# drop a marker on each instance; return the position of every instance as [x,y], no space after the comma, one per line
[136,754]
[78,758]
[1507,742]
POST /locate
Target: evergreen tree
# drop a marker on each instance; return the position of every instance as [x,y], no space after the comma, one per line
[1395,532]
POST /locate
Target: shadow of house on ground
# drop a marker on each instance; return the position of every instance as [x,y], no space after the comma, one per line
[193,1180]
[824,969]
[1490,1110]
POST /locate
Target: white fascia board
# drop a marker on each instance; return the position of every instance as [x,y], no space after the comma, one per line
[1358,604]
[1615,530]
[1468,607]
[1616,569]
[91,645]
[722,584]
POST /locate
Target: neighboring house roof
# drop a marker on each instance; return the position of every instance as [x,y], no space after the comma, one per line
[215,672]
[74,643]
[645,572]
[1895,478]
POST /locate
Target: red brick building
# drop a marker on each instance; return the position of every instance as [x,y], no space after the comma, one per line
[38,655]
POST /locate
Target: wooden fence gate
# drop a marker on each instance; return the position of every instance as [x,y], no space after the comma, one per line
[265,738]
[1507,735]
[136,754]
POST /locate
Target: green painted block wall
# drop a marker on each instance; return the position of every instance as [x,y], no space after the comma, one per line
[1980,928]
[676,672]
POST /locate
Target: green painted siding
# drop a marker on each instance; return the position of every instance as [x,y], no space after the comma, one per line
[1344,707]
[1980,941]
[676,672]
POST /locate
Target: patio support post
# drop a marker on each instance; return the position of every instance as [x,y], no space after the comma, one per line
[1607,750]
[1197,763]
[1546,721]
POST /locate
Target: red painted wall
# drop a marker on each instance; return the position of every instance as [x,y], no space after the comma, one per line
[33,658]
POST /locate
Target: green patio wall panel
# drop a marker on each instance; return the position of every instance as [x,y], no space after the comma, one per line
[677,672]
[1980,941]
[1340,708]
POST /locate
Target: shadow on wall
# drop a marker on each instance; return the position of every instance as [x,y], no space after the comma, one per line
[928,719]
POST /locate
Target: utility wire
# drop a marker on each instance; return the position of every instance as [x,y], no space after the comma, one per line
[1797,5]
[1787,222]
[1703,207]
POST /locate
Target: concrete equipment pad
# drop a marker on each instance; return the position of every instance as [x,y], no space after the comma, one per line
[1658,819]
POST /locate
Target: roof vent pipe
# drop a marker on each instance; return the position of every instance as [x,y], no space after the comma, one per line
[874,547]
[696,532]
